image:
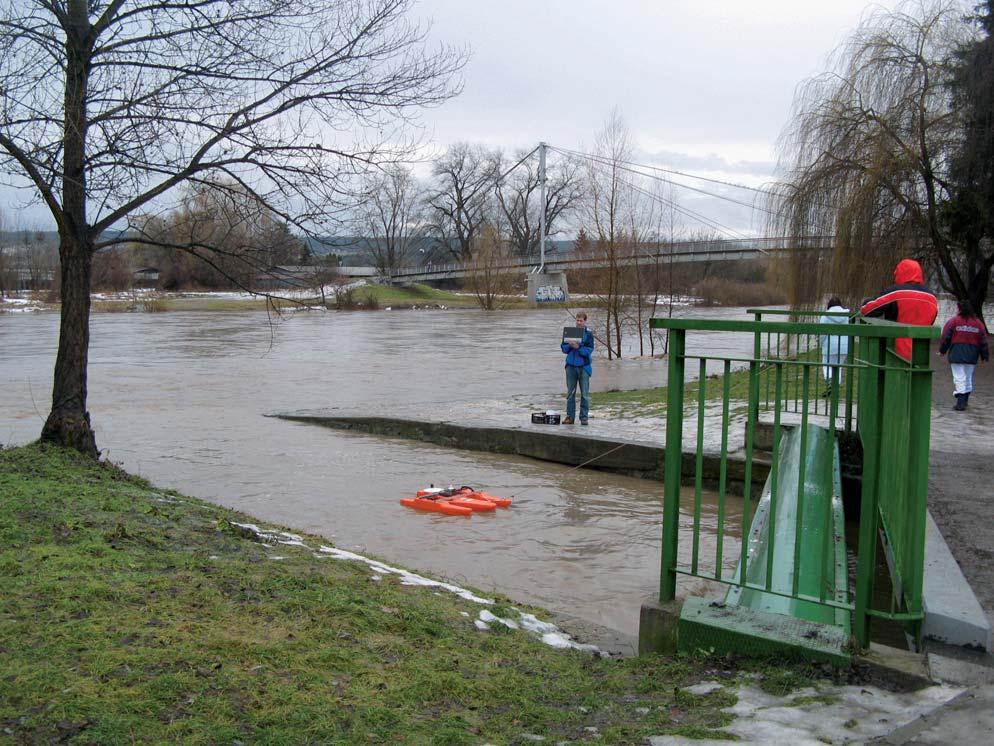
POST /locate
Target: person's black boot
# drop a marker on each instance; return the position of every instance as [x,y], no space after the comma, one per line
[966,400]
[960,402]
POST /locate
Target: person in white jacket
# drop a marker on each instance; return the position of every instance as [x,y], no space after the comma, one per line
[834,349]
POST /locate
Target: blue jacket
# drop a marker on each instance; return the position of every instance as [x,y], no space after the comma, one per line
[581,356]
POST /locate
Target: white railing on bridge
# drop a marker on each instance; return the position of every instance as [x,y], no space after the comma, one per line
[682,251]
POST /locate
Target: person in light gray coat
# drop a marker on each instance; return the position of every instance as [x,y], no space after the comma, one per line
[834,349]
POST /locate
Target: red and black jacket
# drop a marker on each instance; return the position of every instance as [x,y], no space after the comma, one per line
[906,302]
[965,339]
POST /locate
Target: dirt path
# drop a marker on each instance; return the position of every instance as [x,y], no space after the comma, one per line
[961,477]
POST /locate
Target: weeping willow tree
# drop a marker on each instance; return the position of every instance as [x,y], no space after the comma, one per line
[865,157]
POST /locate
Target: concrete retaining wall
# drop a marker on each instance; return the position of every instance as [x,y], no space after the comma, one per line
[631,458]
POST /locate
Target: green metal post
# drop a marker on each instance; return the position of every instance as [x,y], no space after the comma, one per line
[774,478]
[869,416]
[672,465]
[918,447]
[850,379]
[750,436]
[702,380]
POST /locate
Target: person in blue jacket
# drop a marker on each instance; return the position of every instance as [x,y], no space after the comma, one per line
[578,370]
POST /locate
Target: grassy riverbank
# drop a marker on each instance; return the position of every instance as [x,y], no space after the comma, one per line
[132,614]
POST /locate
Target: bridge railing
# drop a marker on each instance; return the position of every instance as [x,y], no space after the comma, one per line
[892,422]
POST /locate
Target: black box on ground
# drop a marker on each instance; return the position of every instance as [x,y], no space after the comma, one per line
[541,418]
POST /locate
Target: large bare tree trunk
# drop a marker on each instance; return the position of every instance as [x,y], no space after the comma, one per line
[68,424]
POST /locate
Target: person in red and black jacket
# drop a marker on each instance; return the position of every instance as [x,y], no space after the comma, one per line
[964,337]
[907,302]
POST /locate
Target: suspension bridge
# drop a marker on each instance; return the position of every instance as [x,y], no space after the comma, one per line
[653,186]
[658,254]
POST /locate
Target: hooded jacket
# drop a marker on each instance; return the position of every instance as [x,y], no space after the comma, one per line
[908,301]
[965,339]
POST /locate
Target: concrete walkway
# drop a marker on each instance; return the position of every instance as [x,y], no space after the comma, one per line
[960,485]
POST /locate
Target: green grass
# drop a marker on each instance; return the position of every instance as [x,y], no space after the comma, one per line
[131,614]
[651,402]
[414,295]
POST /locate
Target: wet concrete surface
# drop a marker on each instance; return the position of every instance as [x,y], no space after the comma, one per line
[960,486]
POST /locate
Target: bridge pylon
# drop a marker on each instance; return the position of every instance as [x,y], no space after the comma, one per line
[547,287]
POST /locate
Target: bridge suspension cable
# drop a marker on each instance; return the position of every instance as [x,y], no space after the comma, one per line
[767,192]
[692,214]
[632,168]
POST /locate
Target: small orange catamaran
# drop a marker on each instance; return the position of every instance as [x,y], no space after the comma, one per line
[454,501]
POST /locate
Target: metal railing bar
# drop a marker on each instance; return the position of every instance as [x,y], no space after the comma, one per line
[699,461]
[723,470]
[774,480]
[801,466]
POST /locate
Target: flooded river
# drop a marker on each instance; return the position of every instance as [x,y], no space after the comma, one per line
[180,397]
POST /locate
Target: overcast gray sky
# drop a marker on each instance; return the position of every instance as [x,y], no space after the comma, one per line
[695,78]
[704,86]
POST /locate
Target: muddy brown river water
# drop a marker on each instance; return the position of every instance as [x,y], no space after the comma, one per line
[180,397]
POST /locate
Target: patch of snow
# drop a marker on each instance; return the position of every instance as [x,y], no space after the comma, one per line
[276,557]
[704,688]
[547,632]
[762,718]
[275,537]
[379,577]
[406,578]
[482,626]
[487,617]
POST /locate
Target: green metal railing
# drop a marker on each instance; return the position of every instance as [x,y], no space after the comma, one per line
[891,418]
[805,348]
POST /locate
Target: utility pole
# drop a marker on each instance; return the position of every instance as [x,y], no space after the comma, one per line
[541,215]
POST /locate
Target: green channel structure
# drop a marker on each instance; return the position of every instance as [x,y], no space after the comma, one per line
[790,591]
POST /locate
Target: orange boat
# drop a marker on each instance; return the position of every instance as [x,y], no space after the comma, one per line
[435,506]
[461,501]
[467,492]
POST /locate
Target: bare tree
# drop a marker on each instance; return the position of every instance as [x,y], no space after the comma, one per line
[518,196]
[608,217]
[216,238]
[866,156]
[493,276]
[7,274]
[461,201]
[109,106]
[392,218]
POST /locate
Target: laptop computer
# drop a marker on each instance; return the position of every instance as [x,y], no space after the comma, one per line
[572,334]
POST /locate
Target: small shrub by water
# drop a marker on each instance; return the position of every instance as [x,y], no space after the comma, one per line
[717,291]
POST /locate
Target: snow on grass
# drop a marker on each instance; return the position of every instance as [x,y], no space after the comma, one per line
[547,632]
[817,716]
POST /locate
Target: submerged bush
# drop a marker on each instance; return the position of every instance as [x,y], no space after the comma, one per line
[716,291]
